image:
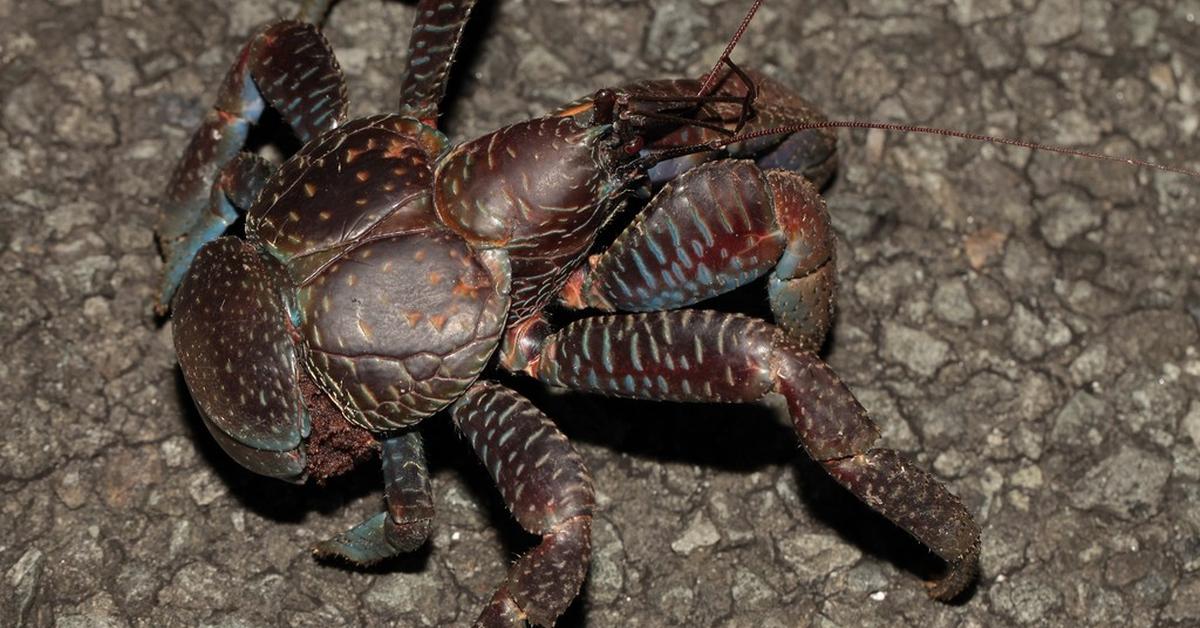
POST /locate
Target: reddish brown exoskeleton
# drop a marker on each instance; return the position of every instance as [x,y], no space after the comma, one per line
[385,274]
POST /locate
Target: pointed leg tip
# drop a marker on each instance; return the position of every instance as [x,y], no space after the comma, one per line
[955,582]
[336,551]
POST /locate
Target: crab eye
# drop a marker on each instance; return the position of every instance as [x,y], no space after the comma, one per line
[633,146]
[602,104]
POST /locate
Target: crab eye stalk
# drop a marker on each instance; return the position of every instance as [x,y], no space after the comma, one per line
[603,104]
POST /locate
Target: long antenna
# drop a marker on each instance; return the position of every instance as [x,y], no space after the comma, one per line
[711,79]
[717,144]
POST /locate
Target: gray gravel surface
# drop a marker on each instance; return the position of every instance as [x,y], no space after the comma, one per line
[1025,325]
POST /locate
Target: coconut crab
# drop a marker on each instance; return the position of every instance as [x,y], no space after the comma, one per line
[527,342]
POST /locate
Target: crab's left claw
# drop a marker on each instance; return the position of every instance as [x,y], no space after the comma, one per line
[237,356]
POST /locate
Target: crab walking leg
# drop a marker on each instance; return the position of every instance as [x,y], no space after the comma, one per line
[235,187]
[288,65]
[715,228]
[549,492]
[406,523]
[710,356]
[436,33]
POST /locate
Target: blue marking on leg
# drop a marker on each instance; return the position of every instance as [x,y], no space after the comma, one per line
[205,229]
[364,544]
[252,101]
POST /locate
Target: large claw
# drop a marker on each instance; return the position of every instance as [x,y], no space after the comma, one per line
[234,346]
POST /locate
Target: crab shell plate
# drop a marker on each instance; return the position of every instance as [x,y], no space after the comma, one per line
[398,328]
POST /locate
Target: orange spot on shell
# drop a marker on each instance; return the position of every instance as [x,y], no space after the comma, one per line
[413,317]
[435,278]
[463,289]
[419,255]
[362,175]
[395,148]
[310,190]
[352,154]
[438,321]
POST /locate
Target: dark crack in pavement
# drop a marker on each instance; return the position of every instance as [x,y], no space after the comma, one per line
[1024,325]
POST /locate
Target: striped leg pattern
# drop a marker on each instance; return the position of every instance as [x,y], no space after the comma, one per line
[287,65]
[715,228]
[406,523]
[549,492]
[436,33]
[714,357]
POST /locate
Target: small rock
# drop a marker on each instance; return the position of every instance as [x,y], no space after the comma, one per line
[1191,423]
[72,489]
[751,592]
[1028,477]
[1129,483]
[22,579]
[1090,364]
[1026,600]
[678,602]
[205,488]
[1074,423]
[983,245]
[1067,216]
[197,585]
[914,348]
[814,556]
[1185,603]
[952,304]
[608,561]
[700,532]
[398,594]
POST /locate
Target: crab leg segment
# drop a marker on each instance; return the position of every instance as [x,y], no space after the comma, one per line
[235,187]
[717,227]
[288,65]
[710,356]
[549,492]
[406,523]
[436,33]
